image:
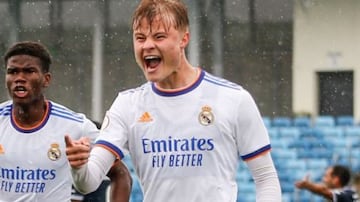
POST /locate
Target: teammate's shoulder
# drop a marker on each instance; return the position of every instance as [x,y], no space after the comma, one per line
[5,108]
[221,82]
[64,112]
[140,89]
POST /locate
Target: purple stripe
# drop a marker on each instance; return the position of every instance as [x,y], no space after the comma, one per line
[257,152]
[111,146]
[171,94]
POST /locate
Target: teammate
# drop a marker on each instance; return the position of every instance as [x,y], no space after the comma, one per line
[334,186]
[33,163]
[184,129]
[356,183]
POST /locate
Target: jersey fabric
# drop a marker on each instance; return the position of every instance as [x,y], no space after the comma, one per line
[185,145]
[33,162]
[345,195]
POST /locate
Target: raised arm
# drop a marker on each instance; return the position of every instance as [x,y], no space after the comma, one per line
[89,169]
[316,188]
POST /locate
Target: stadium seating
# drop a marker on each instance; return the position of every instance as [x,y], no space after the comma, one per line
[273,132]
[281,121]
[127,161]
[278,143]
[308,146]
[325,120]
[243,177]
[300,146]
[302,121]
[352,131]
[317,164]
[310,134]
[267,121]
[345,120]
[246,197]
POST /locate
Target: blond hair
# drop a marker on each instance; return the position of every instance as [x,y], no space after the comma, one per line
[170,12]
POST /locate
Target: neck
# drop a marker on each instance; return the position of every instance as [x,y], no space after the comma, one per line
[29,115]
[180,79]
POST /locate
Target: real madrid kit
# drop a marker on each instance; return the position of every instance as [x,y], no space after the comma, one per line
[186,144]
[33,163]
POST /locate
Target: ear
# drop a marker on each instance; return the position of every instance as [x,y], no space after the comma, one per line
[47,79]
[185,39]
[337,180]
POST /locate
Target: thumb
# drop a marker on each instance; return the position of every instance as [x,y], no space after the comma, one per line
[68,141]
[307,177]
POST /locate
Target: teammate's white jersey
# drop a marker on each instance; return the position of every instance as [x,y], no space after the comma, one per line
[185,145]
[33,162]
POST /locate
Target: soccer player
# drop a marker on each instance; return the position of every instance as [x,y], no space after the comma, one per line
[334,187]
[33,162]
[185,129]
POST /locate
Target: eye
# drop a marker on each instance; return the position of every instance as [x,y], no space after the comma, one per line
[139,38]
[29,71]
[160,36]
[11,71]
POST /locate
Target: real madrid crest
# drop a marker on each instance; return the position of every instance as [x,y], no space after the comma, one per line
[206,117]
[54,152]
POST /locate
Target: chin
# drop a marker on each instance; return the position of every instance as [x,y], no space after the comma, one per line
[151,77]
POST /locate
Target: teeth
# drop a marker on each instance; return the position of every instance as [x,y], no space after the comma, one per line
[20,89]
[150,57]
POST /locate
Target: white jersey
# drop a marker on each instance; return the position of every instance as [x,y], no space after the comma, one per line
[33,162]
[185,145]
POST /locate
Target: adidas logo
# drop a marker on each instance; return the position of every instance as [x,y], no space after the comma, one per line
[145,117]
[2,151]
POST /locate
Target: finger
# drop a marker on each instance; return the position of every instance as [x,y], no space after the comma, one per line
[307,177]
[78,163]
[75,156]
[68,141]
[78,155]
[85,141]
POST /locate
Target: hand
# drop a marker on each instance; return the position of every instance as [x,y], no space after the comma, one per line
[77,151]
[303,183]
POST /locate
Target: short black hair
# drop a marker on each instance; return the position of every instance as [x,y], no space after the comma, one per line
[343,172]
[32,48]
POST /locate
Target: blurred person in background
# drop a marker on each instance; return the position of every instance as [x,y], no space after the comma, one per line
[33,162]
[335,185]
[185,129]
[356,183]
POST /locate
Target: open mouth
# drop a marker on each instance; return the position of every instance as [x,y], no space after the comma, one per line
[20,91]
[152,61]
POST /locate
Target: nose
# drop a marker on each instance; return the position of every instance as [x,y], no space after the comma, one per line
[19,77]
[148,44]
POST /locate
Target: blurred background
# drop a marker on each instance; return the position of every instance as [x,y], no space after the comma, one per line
[248,42]
[298,58]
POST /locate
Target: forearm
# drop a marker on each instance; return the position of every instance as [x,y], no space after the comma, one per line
[121,182]
[89,177]
[266,179]
[319,189]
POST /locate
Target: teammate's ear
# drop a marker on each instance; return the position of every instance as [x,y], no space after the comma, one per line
[47,79]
